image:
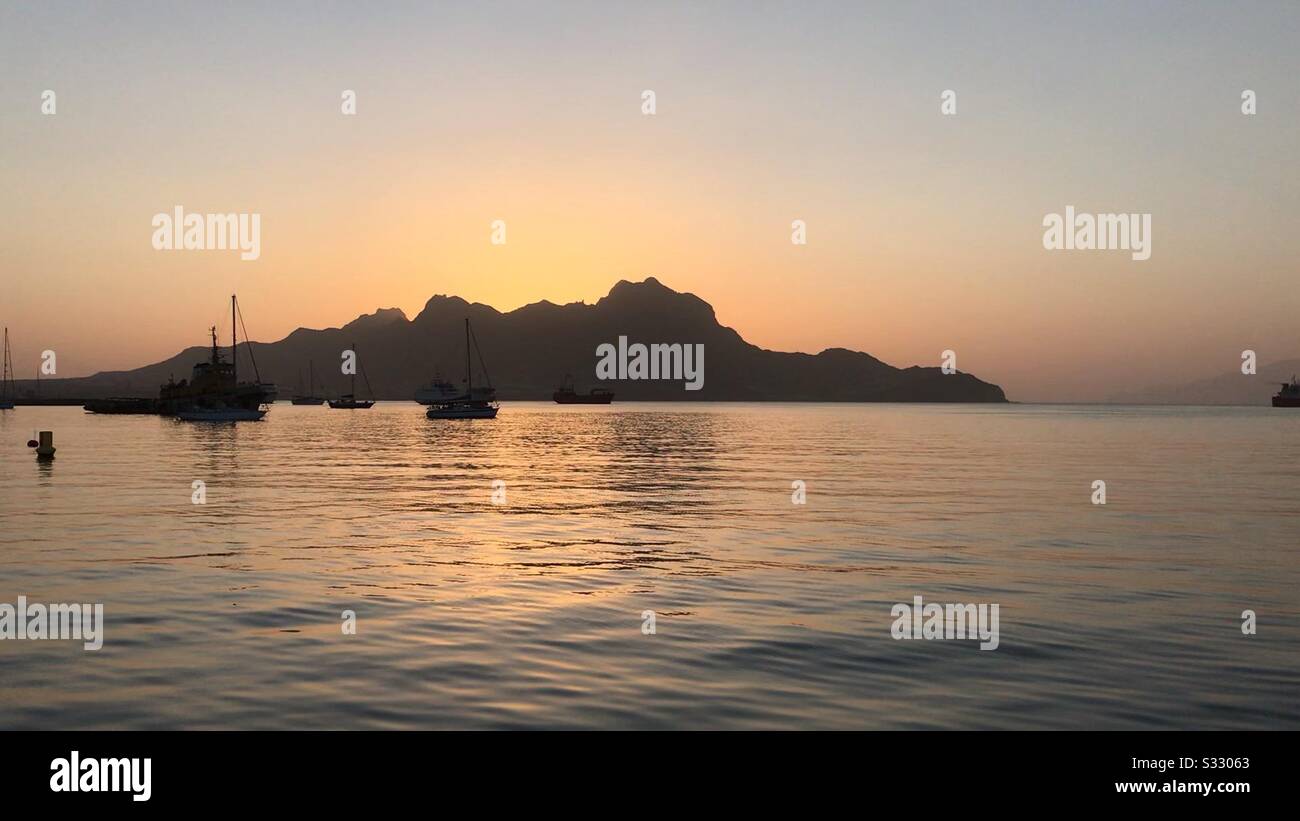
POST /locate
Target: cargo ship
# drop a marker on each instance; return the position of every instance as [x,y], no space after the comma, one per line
[1289,396]
[566,395]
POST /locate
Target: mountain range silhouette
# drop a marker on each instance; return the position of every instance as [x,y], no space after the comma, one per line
[528,351]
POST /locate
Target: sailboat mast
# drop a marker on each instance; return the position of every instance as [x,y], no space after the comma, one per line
[469,372]
[354,371]
[234,343]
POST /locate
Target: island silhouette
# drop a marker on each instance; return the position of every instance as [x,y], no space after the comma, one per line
[529,350]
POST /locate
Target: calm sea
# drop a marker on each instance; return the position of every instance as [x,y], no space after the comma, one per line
[767,613]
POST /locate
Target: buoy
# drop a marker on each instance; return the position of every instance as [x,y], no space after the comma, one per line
[31,443]
[45,450]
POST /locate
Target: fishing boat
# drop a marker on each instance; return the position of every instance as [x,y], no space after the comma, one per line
[214,393]
[470,404]
[8,392]
[349,401]
[1289,396]
[566,395]
[310,398]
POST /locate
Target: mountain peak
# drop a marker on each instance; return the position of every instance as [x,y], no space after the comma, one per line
[381,317]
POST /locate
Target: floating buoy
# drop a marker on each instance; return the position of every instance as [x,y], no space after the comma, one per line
[45,449]
[31,443]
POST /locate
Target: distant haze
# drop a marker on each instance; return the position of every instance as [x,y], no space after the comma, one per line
[924,231]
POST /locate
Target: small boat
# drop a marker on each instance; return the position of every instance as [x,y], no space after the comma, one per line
[471,404]
[1289,396]
[7,390]
[566,395]
[310,398]
[349,401]
[220,415]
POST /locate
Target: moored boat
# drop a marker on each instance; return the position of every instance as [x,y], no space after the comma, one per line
[214,392]
[472,404]
[7,390]
[566,395]
[310,397]
[349,401]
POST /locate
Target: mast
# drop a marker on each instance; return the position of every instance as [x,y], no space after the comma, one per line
[234,343]
[469,372]
[354,371]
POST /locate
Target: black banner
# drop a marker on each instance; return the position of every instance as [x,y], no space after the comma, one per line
[332,770]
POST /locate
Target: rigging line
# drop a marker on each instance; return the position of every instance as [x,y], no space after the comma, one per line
[482,365]
[248,342]
[367,380]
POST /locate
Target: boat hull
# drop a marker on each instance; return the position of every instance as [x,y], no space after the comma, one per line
[464,412]
[6,404]
[1286,401]
[220,415]
[123,405]
[307,400]
[343,404]
[580,399]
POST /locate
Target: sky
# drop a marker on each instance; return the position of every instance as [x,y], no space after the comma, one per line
[924,230]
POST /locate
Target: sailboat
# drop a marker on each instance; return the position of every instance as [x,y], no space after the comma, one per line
[349,401]
[7,389]
[214,392]
[310,398]
[472,404]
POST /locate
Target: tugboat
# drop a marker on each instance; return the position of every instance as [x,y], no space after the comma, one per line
[7,390]
[566,395]
[349,401]
[214,392]
[310,398]
[472,404]
[1289,396]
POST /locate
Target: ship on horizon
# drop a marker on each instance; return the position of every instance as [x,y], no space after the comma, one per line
[1289,396]
[566,395]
